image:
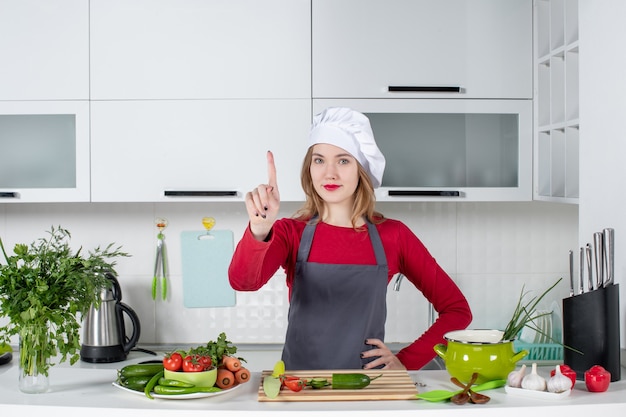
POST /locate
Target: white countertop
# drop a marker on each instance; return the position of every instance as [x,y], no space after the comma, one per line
[86,390]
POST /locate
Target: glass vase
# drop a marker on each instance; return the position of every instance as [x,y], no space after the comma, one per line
[34,359]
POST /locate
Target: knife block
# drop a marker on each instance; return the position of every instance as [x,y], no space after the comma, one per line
[591,326]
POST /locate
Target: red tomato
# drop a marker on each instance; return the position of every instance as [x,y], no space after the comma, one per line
[597,379]
[192,364]
[205,361]
[173,361]
[568,372]
[295,384]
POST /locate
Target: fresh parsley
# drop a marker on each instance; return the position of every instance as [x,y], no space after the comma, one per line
[45,289]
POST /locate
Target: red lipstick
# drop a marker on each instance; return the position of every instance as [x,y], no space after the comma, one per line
[331,187]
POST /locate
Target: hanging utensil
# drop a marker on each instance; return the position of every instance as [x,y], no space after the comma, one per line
[609,255]
[160,263]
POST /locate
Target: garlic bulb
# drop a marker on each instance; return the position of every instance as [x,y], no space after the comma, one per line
[534,381]
[514,380]
[559,382]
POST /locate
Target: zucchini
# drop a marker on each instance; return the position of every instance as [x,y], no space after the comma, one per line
[168,390]
[351,381]
[147,369]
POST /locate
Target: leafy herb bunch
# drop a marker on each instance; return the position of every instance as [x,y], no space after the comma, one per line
[525,314]
[45,289]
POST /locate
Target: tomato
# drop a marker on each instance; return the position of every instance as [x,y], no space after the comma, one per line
[192,364]
[173,361]
[205,361]
[597,379]
[294,383]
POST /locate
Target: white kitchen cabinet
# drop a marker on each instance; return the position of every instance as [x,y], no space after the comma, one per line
[44,151]
[422,48]
[199,49]
[450,150]
[195,150]
[557,135]
[44,47]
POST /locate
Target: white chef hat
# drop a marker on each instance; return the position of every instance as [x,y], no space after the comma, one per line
[351,131]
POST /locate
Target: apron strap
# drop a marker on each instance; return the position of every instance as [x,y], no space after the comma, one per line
[306,241]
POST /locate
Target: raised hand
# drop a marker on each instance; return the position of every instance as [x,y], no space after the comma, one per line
[263,203]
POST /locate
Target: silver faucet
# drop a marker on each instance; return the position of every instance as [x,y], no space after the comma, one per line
[396,284]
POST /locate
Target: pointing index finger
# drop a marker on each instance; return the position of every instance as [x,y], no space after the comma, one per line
[271,169]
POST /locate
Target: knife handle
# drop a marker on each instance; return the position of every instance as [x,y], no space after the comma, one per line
[589,268]
[581,272]
[571,273]
[609,254]
[598,239]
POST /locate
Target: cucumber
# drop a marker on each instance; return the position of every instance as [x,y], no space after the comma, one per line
[134,381]
[147,369]
[318,383]
[351,381]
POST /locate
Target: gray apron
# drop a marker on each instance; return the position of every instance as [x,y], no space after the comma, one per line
[334,308]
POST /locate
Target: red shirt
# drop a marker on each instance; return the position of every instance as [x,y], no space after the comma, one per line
[254,263]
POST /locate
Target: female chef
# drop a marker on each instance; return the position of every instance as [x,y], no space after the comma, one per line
[339,255]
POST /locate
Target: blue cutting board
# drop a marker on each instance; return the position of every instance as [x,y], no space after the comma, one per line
[205,261]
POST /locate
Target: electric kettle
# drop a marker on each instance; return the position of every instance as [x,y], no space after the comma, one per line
[104,332]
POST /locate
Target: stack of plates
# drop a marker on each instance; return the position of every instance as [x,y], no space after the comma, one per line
[539,330]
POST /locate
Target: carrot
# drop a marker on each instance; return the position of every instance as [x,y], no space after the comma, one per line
[242,375]
[225,378]
[231,363]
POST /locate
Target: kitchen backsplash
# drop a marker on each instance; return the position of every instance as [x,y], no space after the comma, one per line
[492,250]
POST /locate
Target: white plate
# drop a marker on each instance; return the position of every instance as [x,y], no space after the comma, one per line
[181,396]
[543,395]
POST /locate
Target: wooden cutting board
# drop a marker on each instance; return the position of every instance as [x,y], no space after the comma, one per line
[393,385]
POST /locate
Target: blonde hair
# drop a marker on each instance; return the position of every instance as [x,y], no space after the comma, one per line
[364,197]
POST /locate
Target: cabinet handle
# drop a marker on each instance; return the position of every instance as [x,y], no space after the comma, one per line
[423,89]
[205,193]
[8,194]
[420,193]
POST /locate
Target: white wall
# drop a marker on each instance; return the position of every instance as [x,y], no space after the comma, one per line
[490,249]
[602,133]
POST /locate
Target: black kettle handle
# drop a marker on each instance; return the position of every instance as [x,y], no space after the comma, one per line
[117,290]
[134,337]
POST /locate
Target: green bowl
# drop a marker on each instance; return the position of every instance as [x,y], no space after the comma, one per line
[478,351]
[199,379]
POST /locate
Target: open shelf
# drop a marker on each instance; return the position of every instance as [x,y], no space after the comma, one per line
[556,101]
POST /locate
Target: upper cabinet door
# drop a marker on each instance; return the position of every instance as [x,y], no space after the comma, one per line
[44,50]
[197,49]
[195,150]
[425,48]
[44,151]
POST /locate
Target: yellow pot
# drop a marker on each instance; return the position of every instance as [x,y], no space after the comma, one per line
[478,351]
